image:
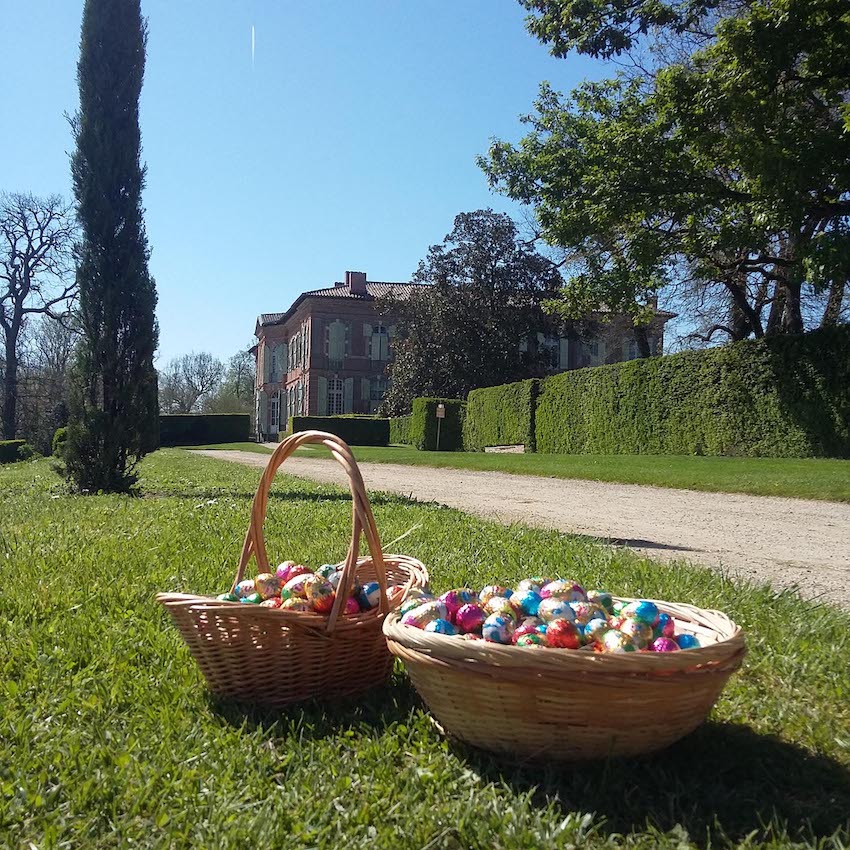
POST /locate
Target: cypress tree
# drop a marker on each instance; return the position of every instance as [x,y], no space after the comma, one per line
[113,398]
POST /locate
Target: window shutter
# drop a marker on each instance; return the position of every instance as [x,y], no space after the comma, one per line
[322,387]
[264,412]
[367,329]
[280,355]
[391,330]
[348,395]
[364,389]
[267,363]
[563,353]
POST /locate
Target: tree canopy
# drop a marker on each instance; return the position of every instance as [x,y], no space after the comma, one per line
[464,330]
[728,167]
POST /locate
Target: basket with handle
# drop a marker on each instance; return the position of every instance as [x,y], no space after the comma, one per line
[570,705]
[276,656]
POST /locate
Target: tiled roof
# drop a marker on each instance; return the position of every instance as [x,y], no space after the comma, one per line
[374,290]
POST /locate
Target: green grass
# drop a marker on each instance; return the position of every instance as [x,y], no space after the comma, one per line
[257,448]
[108,737]
[804,478]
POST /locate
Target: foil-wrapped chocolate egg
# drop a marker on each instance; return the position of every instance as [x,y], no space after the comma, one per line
[531,639]
[553,608]
[487,593]
[664,644]
[616,641]
[352,606]
[530,584]
[267,585]
[245,588]
[369,596]
[252,599]
[584,612]
[603,599]
[326,570]
[563,634]
[643,610]
[334,578]
[570,591]
[282,571]
[595,630]
[294,588]
[500,605]
[528,601]
[453,599]
[421,616]
[686,641]
[290,572]
[498,628]
[470,617]
[618,608]
[412,602]
[665,627]
[274,602]
[639,632]
[526,628]
[294,604]
[227,597]
[319,593]
[441,627]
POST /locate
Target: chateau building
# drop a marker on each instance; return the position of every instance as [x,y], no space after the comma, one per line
[327,354]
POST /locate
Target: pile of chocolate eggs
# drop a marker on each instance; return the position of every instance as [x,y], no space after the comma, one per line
[295,587]
[545,612]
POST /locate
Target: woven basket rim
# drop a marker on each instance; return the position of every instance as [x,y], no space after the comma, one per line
[729,645]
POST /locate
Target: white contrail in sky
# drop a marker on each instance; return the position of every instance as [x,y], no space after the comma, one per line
[253,44]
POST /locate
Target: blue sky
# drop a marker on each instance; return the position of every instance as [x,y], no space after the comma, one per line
[349,144]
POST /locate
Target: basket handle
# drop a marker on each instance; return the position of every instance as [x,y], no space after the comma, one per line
[362,519]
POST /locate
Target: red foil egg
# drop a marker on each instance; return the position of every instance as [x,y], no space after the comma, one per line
[563,634]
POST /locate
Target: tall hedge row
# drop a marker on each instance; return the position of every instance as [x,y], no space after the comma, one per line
[780,397]
[501,416]
[400,430]
[423,424]
[14,450]
[197,429]
[355,430]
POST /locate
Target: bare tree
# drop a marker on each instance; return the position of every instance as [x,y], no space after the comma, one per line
[36,243]
[187,380]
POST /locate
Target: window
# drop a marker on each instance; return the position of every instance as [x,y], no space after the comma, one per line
[336,342]
[378,388]
[335,396]
[274,413]
[379,345]
[552,352]
[631,350]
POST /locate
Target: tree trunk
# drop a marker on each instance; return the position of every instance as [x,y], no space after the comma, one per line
[777,309]
[833,303]
[792,319]
[10,385]
[745,319]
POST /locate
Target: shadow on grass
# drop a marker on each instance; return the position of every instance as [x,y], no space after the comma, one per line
[379,708]
[287,496]
[722,782]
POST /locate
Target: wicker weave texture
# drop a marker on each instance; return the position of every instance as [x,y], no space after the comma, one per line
[274,656]
[533,702]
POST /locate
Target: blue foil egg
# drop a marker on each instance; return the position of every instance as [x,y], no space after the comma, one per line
[528,601]
[441,627]
[369,596]
[498,629]
[642,610]
[686,641]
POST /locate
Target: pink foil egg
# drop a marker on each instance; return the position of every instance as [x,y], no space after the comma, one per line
[352,606]
[664,644]
[245,588]
[470,617]
[282,571]
[291,572]
[295,586]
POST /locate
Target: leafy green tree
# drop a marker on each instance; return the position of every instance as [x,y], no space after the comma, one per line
[724,167]
[113,400]
[465,330]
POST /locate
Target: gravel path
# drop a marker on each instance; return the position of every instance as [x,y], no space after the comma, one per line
[781,541]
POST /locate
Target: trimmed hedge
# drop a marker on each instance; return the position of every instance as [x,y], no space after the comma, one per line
[423,424]
[787,396]
[59,440]
[197,429]
[355,430]
[501,416]
[15,450]
[400,430]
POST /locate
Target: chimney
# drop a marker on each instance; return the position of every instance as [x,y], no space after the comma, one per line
[356,282]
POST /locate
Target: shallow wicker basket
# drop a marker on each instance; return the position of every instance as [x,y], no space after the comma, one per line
[273,656]
[570,705]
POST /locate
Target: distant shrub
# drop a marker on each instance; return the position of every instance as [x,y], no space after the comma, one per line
[197,429]
[400,430]
[59,440]
[423,424]
[15,450]
[355,430]
[501,416]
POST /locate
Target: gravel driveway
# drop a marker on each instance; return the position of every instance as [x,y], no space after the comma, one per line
[781,541]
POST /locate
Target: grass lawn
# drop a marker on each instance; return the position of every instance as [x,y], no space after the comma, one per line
[108,737]
[804,478]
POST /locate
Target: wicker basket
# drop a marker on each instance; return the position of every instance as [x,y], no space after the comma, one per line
[275,656]
[570,705]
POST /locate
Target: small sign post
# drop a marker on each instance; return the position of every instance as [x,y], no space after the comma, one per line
[441,415]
